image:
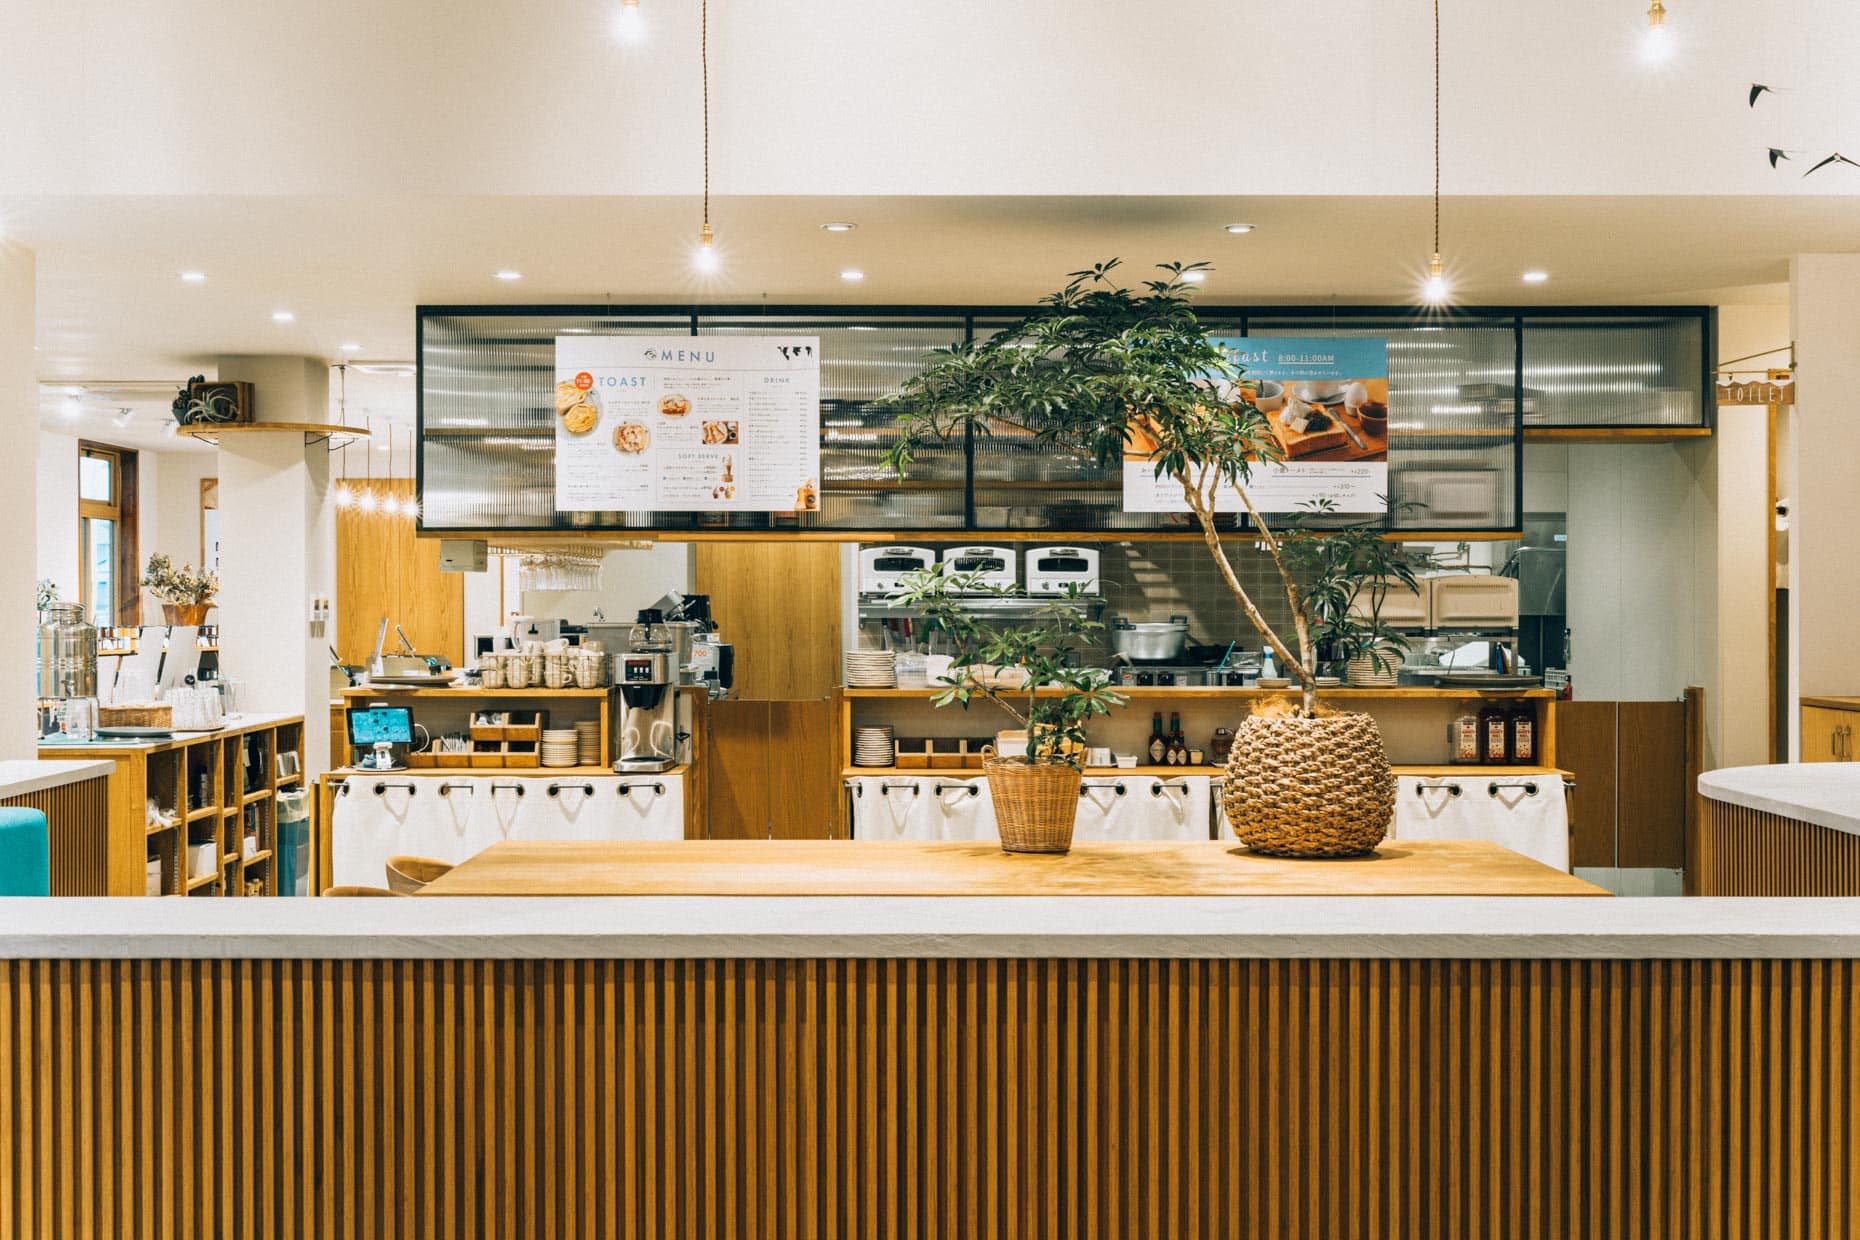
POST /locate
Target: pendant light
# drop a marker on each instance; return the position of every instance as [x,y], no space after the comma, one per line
[631,27]
[705,260]
[1434,289]
[345,494]
[367,501]
[1657,44]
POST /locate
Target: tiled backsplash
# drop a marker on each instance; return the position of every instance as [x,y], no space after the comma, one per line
[1154,580]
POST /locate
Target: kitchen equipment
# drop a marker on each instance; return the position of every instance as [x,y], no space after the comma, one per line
[882,569]
[1055,570]
[387,730]
[1464,601]
[67,653]
[1167,676]
[1540,573]
[1403,606]
[648,712]
[531,629]
[406,668]
[993,567]
[1149,642]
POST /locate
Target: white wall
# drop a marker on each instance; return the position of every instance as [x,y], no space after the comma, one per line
[19,421]
[58,512]
[630,580]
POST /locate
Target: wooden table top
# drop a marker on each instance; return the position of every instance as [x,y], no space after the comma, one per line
[905,868]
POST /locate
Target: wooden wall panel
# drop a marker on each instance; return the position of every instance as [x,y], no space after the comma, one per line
[77,817]
[383,569]
[806,802]
[1745,852]
[779,603]
[736,772]
[1585,747]
[1652,795]
[923,1098]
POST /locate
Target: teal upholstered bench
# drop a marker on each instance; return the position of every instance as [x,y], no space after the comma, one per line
[25,853]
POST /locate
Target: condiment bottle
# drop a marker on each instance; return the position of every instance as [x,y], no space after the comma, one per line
[1463,736]
[1222,746]
[1493,729]
[1159,744]
[1178,747]
[1521,734]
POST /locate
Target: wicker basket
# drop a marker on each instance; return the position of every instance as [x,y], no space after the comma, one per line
[1035,806]
[136,715]
[1310,787]
[1364,674]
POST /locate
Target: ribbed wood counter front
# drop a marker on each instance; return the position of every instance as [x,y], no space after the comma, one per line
[904,868]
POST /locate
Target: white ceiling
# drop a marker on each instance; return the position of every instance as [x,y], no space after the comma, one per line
[364,158]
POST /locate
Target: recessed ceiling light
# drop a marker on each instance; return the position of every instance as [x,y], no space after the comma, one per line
[852,273]
[74,391]
[193,277]
[862,327]
[1238,230]
[283,316]
[351,348]
[838,226]
[1194,277]
[508,275]
[1536,277]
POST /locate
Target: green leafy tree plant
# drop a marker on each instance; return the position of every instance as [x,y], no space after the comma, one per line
[1044,688]
[1100,367]
[1344,566]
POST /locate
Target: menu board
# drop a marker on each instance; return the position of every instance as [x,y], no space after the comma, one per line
[1326,402]
[687,423]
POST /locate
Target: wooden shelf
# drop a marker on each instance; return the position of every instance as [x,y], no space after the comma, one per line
[287,780]
[263,854]
[1615,434]
[199,815]
[1192,692]
[194,884]
[313,432]
[367,691]
[254,797]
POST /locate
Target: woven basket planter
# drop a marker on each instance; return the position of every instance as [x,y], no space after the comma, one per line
[1035,806]
[1310,787]
[1364,674]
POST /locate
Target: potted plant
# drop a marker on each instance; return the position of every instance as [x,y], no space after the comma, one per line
[1031,672]
[185,593]
[47,594]
[201,401]
[1098,367]
[1349,572]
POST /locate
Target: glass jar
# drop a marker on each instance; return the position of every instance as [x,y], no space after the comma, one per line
[67,653]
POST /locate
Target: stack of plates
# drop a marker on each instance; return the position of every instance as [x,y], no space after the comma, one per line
[560,747]
[873,746]
[870,669]
[588,742]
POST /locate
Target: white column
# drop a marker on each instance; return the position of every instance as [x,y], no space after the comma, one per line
[19,464]
[1824,552]
[278,549]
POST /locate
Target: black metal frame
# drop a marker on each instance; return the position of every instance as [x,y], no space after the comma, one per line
[1234,318]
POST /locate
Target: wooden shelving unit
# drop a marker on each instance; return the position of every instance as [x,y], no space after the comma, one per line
[220,786]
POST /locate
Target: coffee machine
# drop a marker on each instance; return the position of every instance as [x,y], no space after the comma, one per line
[648,711]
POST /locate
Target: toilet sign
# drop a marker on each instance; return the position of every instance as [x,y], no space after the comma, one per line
[1775,388]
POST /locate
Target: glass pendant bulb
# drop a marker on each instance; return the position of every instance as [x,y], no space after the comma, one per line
[1435,287]
[632,26]
[705,259]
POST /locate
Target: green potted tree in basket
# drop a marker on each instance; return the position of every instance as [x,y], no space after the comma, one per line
[1348,572]
[1100,367]
[1031,672]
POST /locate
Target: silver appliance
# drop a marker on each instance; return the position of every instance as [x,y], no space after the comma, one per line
[680,625]
[648,711]
[1176,677]
[1151,642]
[992,567]
[407,668]
[1055,570]
[882,569]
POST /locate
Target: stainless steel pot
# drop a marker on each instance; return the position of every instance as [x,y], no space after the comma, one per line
[1149,643]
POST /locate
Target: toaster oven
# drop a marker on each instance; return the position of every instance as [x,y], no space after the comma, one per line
[994,567]
[1051,570]
[882,569]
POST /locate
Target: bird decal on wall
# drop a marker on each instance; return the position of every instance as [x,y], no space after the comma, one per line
[1778,154]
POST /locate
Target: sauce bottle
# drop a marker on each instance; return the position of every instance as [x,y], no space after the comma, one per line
[1521,734]
[1494,730]
[1159,744]
[1463,736]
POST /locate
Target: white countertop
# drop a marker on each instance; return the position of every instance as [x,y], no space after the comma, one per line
[1826,794]
[664,927]
[22,777]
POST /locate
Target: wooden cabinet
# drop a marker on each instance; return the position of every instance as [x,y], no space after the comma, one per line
[1829,729]
[382,569]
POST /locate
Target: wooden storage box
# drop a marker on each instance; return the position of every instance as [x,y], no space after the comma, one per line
[422,761]
[487,754]
[487,725]
[945,754]
[522,754]
[913,753]
[452,761]
[137,715]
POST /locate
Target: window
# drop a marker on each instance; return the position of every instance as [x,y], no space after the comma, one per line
[107,569]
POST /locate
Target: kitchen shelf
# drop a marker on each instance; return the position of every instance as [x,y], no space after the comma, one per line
[1215,772]
[365,691]
[194,884]
[1192,692]
[1615,434]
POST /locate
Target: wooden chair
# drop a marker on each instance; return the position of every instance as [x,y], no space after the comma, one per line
[406,875]
[359,891]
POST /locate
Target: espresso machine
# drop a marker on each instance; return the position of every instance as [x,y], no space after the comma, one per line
[648,710]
